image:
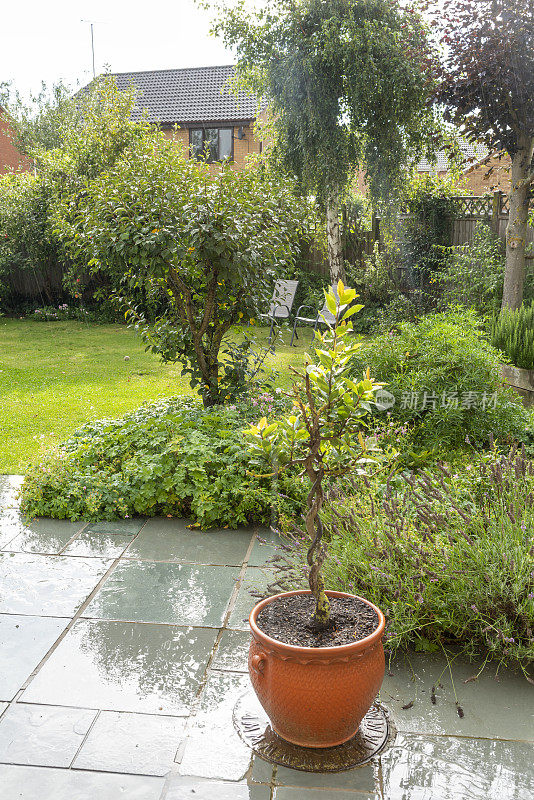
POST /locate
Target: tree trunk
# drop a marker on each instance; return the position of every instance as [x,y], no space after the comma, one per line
[333,236]
[516,232]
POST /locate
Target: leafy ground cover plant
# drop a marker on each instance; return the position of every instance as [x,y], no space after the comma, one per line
[513,333]
[322,437]
[168,458]
[444,378]
[447,554]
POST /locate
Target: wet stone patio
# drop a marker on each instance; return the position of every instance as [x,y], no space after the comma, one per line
[122,654]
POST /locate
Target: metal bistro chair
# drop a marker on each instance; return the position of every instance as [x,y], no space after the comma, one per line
[281,303]
[323,316]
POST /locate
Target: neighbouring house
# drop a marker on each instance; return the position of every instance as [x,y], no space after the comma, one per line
[198,106]
[484,172]
[11,159]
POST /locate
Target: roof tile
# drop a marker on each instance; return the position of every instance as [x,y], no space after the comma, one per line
[195,94]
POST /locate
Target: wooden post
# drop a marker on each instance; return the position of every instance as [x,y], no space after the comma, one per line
[496,211]
[375,227]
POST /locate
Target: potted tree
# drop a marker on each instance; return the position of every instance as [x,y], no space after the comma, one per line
[316,659]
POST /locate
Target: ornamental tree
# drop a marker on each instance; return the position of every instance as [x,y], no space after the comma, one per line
[202,247]
[323,434]
[487,86]
[347,81]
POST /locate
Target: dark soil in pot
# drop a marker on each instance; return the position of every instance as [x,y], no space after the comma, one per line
[289,620]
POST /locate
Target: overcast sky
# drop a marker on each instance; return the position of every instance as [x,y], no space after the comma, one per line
[48,41]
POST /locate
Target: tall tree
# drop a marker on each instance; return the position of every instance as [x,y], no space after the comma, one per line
[487,85]
[347,81]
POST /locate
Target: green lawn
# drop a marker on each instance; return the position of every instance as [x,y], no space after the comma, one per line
[54,376]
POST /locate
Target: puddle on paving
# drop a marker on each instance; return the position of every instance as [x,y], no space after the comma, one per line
[47,585]
[450,768]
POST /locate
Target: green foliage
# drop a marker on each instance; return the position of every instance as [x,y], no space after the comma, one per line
[348,82]
[70,141]
[426,234]
[40,120]
[206,246]
[513,333]
[444,377]
[27,241]
[169,458]
[474,272]
[243,368]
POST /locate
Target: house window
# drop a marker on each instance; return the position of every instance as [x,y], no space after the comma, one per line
[214,144]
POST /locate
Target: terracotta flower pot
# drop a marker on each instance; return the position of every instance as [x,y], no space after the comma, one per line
[316,696]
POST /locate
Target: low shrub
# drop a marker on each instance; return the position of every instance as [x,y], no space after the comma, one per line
[444,378]
[513,333]
[448,555]
[171,458]
[473,274]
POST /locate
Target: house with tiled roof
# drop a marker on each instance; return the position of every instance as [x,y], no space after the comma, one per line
[199,107]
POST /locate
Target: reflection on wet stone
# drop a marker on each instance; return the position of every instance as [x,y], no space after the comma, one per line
[148,591]
[451,768]
[125,667]
[213,749]
[47,585]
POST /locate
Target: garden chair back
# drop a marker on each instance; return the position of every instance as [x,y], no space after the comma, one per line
[281,303]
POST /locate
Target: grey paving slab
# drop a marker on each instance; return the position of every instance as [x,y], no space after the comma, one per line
[265,547]
[256,579]
[40,783]
[3,707]
[117,666]
[47,585]
[46,736]
[261,771]
[448,768]
[232,653]
[182,788]
[138,744]
[502,708]
[99,545]
[171,540]
[123,526]
[293,793]
[151,591]
[24,641]
[47,536]
[213,749]
[354,780]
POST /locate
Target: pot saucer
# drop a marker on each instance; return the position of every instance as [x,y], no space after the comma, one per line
[252,724]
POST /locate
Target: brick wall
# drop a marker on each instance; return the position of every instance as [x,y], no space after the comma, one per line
[242,147]
[490,175]
[10,158]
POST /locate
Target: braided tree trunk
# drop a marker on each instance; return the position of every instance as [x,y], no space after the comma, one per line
[316,553]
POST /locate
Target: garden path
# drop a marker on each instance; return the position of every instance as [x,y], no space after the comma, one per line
[123,651]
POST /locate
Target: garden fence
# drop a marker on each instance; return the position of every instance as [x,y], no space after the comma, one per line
[470,210]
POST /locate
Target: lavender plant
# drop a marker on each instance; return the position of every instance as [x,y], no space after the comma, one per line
[448,555]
